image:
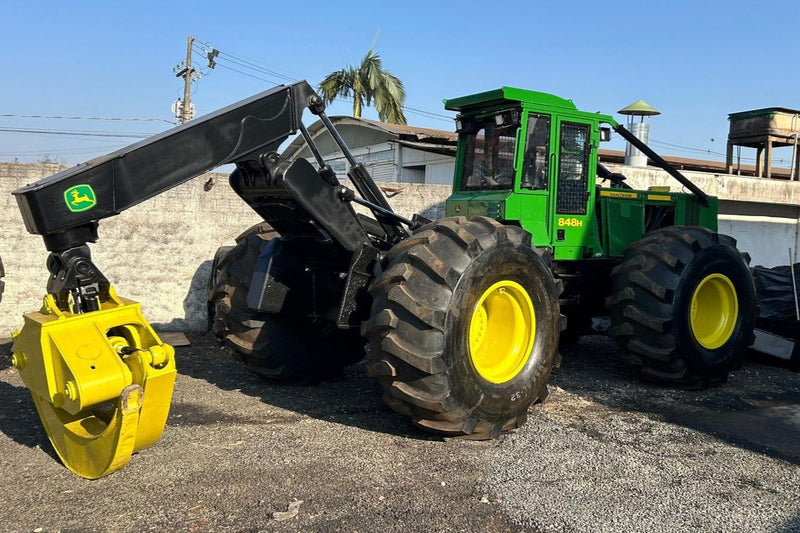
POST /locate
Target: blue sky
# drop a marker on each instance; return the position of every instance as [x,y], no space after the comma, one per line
[693,61]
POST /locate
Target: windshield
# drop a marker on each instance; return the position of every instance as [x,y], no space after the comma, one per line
[489,155]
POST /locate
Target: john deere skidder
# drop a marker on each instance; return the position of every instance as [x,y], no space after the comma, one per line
[463,315]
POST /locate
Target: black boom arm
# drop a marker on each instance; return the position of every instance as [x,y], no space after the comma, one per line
[298,200]
[108,185]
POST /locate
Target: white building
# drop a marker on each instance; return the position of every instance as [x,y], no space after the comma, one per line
[390,152]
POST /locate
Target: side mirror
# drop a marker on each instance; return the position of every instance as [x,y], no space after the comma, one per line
[605,134]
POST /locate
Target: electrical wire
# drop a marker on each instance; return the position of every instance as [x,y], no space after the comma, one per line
[244,73]
[78,133]
[226,59]
[246,64]
[429,114]
[119,119]
[694,150]
[57,151]
[247,61]
[686,148]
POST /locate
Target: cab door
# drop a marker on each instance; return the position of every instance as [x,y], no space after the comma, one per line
[573,160]
[535,181]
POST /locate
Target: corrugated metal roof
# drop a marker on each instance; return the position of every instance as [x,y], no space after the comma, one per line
[404,130]
[445,149]
[425,139]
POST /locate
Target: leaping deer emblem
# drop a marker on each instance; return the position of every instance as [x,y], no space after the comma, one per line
[78,198]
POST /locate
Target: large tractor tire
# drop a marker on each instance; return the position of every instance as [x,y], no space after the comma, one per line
[464,327]
[271,345]
[683,306]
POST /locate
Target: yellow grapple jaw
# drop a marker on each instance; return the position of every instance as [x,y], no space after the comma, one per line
[101,381]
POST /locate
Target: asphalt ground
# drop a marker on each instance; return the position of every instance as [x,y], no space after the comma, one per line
[606,452]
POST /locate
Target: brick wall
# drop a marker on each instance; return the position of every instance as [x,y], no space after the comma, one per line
[159,252]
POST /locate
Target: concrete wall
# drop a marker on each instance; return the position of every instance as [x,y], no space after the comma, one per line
[770,241]
[721,185]
[158,253]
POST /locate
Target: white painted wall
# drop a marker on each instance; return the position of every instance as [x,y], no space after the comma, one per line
[440,173]
[768,240]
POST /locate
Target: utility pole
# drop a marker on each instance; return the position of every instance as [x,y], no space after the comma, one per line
[186,115]
[184,109]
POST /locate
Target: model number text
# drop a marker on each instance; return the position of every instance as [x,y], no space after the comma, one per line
[570,222]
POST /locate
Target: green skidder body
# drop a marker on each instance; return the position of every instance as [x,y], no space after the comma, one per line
[529,159]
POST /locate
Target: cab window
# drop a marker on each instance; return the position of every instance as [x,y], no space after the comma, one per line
[489,153]
[537,150]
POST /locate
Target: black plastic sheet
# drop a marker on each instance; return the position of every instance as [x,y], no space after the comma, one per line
[775,291]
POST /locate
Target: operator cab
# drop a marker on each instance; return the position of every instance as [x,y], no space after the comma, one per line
[529,158]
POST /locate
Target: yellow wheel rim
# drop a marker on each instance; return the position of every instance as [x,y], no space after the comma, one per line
[714,311]
[501,331]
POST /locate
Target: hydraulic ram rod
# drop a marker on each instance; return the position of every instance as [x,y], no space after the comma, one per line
[658,160]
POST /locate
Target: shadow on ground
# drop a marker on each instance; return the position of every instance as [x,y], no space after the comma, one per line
[755,398]
[753,410]
[18,418]
[5,355]
[353,400]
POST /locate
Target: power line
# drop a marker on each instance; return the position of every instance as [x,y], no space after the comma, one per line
[57,151]
[78,133]
[244,73]
[686,148]
[226,59]
[429,114]
[250,62]
[121,119]
[224,56]
[694,150]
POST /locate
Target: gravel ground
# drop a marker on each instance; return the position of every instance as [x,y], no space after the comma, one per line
[604,453]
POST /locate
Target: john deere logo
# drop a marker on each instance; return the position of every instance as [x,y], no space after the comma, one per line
[80,198]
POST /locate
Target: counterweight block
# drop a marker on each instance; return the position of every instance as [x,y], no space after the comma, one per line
[101,381]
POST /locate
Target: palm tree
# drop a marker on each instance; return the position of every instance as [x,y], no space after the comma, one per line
[365,84]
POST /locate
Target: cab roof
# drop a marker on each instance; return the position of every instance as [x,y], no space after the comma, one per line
[506,96]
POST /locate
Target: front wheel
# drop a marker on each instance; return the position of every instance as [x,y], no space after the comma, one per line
[275,346]
[464,327]
[683,306]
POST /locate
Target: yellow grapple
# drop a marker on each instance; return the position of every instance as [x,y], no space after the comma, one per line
[101,381]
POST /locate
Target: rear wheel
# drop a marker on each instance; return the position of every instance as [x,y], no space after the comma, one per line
[683,306]
[464,327]
[274,346]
